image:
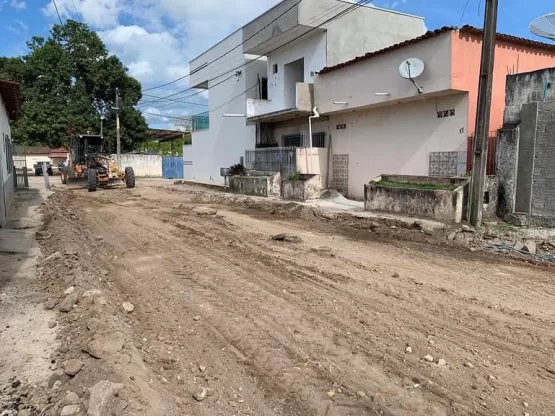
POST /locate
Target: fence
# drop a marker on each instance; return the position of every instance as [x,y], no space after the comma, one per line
[492,153]
[21,178]
[275,159]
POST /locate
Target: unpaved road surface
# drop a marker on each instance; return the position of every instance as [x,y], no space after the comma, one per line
[344,319]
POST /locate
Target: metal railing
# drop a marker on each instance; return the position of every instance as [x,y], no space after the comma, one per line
[272,159]
[21,178]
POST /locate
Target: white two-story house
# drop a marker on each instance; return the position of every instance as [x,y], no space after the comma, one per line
[260,78]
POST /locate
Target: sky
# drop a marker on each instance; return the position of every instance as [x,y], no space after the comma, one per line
[156,39]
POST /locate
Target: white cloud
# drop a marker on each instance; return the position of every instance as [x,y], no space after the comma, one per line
[18,4]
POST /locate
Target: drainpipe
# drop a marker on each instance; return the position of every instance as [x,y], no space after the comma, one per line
[316,115]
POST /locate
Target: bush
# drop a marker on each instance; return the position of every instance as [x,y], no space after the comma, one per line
[237,170]
[294,176]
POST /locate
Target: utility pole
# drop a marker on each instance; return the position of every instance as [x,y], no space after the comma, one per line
[118,140]
[483,111]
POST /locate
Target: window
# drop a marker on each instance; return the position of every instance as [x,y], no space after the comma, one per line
[292,140]
[8,152]
[446,113]
[275,69]
[341,126]
[319,139]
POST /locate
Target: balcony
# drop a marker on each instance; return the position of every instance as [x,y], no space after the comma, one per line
[271,111]
[200,122]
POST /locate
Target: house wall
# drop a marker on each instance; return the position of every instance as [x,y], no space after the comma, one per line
[354,85]
[397,139]
[465,61]
[312,49]
[228,137]
[299,126]
[32,159]
[363,30]
[6,176]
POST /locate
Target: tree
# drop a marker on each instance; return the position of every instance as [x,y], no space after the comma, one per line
[68,83]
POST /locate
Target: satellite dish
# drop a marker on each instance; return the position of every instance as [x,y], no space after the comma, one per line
[411,68]
[544,26]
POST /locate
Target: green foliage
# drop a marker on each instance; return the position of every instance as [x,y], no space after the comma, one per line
[413,185]
[68,81]
[294,176]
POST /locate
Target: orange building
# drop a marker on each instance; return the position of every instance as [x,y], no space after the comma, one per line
[381,122]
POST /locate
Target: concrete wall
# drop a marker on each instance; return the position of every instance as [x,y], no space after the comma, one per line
[358,84]
[188,161]
[439,205]
[314,161]
[6,175]
[397,138]
[506,169]
[465,59]
[365,29]
[145,166]
[260,184]
[308,187]
[312,49]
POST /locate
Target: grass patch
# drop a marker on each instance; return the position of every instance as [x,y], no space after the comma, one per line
[412,185]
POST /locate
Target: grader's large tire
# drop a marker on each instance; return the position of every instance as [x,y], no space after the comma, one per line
[91,177]
[129,177]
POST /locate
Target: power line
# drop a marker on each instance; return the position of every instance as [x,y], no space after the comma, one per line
[226,53]
[177,100]
[76,12]
[324,13]
[464,11]
[58,12]
[246,66]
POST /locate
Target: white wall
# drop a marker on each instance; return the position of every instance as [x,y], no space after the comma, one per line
[312,49]
[398,139]
[145,166]
[32,159]
[358,83]
[188,161]
[6,179]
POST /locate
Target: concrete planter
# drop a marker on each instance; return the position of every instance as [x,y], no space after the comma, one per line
[308,187]
[440,205]
[256,184]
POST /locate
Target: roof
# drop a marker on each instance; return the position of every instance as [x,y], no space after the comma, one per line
[59,153]
[167,135]
[31,150]
[470,30]
[11,97]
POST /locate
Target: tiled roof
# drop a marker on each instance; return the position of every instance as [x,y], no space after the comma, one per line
[11,97]
[431,34]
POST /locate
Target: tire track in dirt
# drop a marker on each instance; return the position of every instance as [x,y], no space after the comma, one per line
[239,265]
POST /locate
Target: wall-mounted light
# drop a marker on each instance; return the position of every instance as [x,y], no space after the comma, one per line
[382,93]
[340,102]
[234,115]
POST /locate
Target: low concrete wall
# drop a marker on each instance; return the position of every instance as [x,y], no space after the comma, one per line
[145,166]
[256,184]
[306,188]
[314,161]
[440,205]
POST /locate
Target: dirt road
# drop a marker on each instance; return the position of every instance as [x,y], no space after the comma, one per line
[341,320]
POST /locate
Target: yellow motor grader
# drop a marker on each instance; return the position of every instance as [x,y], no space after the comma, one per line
[88,162]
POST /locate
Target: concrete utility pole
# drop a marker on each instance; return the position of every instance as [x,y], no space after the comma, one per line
[483,111]
[118,140]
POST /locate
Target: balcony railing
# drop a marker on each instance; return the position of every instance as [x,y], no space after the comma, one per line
[304,100]
[201,122]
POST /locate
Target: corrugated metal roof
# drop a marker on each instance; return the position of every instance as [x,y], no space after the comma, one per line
[11,97]
[431,34]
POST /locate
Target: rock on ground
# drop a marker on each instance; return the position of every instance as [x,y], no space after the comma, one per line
[68,302]
[101,395]
[72,367]
[204,211]
[70,410]
[128,307]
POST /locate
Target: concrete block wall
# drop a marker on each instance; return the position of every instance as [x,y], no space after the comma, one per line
[145,166]
[543,175]
[507,159]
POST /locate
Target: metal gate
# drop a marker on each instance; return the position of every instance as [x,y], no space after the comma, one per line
[172,167]
[20,174]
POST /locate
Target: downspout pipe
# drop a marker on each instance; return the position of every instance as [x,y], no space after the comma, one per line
[316,114]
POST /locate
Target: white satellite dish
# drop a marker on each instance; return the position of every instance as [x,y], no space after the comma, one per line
[411,68]
[544,26]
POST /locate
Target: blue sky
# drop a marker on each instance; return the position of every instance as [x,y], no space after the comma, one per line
[157,38]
